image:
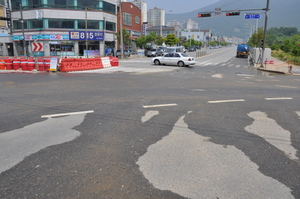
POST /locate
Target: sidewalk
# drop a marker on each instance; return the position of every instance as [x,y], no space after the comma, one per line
[279,66]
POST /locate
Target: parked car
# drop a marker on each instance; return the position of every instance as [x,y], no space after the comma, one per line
[126,53]
[155,52]
[192,49]
[179,59]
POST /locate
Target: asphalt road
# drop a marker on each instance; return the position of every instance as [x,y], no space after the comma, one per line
[219,129]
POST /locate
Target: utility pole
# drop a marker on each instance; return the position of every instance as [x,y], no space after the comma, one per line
[23,34]
[121,31]
[86,35]
[265,34]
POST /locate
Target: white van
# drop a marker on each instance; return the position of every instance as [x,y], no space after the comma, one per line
[178,49]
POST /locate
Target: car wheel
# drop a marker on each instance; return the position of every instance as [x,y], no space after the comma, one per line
[180,64]
[156,62]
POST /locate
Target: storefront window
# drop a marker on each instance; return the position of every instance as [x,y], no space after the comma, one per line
[58,48]
[93,48]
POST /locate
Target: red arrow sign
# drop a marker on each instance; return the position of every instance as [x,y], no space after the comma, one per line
[37,47]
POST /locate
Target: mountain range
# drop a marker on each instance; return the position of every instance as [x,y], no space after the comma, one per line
[281,14]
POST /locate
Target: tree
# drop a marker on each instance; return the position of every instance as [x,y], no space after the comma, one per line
[257,37]
[171,39]
[159,40]
[141,42]
[126,37]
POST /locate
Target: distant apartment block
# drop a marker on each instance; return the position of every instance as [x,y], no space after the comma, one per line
[156,17]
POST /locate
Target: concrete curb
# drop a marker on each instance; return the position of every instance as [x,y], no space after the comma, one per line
[271,71]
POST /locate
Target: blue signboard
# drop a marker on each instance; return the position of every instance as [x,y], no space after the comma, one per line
[252,16]
[86,35]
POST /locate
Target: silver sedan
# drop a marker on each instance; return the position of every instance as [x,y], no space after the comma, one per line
[179,59]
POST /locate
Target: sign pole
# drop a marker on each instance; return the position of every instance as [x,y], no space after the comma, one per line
[265,35]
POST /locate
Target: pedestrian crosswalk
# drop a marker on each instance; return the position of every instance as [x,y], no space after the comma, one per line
[198,63]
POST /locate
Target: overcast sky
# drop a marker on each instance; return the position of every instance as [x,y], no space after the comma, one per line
[179,6]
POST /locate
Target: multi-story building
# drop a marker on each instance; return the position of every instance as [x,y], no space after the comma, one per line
[63,27]
[132,23]
[143,6]
[5,41]
[197,35]
[190,24]
[174,23]
[156,17]
[176,30]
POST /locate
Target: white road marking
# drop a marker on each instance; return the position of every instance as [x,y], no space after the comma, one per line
[159,105]
[268,129]
[217,75]
[245,75]
[149,115]
[279,98]
[224,101]
[66,114]
[285,86]
[198,90]
[190,165]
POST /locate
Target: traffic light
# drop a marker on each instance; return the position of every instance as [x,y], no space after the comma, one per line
[207,14]
[262,43]
[5,18]
[232,13]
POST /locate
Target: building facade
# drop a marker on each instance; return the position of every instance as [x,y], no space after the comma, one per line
[132,23]
[63,28]
[197,35]
[176,30]
[143,6]
[156,17]
[190,25]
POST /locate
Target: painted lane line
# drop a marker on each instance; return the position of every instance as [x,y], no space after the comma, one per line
[66,114]
[159,105]
[279,98]
[285,86]
[224,101]
[245,75]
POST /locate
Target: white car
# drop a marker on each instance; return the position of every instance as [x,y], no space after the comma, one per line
[179,59]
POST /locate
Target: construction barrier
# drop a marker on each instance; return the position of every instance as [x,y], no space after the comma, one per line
[8,64]
[65,64]
[2,64]
[68,65]
[47,61]
[114,61]
[24,63]
[41,66]
[16,64]
[31,64]
[271,62]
